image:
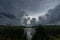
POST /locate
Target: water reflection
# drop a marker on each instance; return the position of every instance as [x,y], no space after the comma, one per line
[29,32]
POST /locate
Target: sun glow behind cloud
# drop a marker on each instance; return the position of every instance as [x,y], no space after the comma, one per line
[36,15]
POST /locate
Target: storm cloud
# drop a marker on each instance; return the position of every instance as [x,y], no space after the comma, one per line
[16,9]
[33,22]
[53,15]
[7,15]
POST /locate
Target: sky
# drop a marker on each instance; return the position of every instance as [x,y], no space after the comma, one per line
[18,12]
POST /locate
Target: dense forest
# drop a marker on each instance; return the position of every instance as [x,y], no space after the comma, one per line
[46,32]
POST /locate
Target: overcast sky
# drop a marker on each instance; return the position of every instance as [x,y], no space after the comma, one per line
[13,11]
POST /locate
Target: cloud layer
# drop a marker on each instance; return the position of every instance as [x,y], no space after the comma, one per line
[12,11]
[51,17]
[54,15]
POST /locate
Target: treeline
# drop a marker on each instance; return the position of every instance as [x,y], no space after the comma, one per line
[12,33]
[43,32]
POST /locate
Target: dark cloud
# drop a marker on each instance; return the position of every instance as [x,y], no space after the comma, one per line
[25,21]
[53,15]
[33,22]
[5,21]
[1,16]
[18,8]
[8,15]
[13,6]
[42,20]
